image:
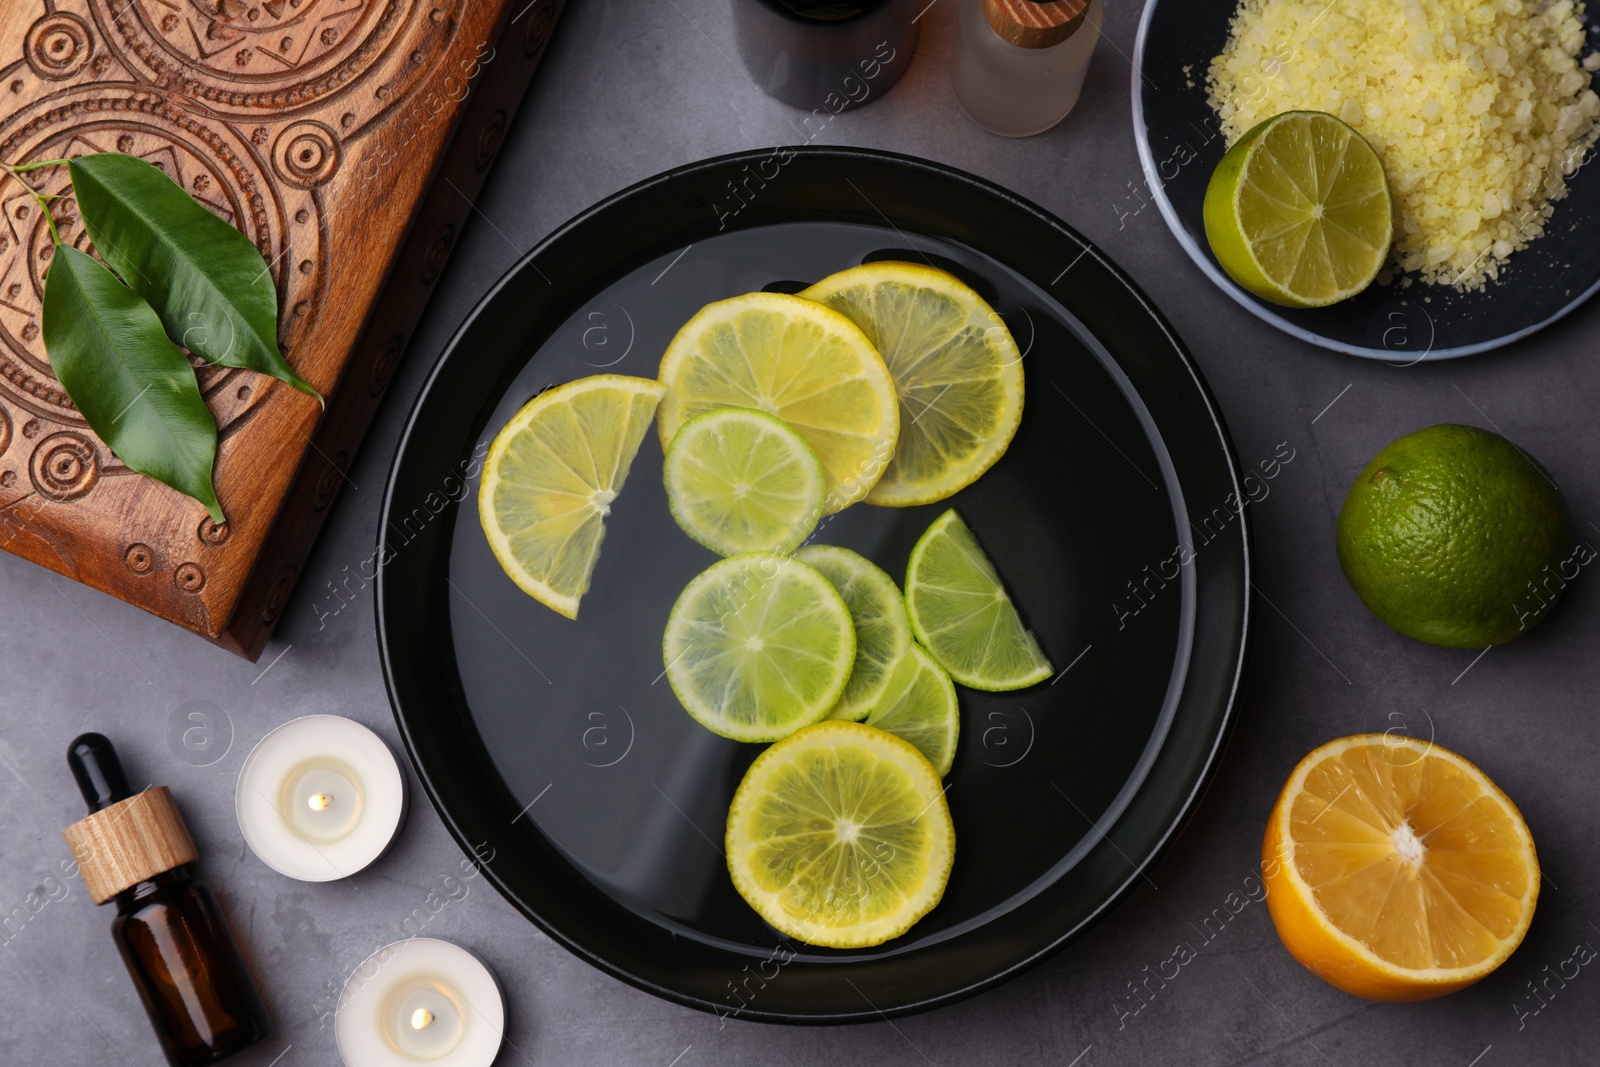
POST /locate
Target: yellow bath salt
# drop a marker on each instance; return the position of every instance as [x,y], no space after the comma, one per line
[1479,110]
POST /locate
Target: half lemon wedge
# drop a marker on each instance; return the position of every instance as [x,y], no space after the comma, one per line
[551,476]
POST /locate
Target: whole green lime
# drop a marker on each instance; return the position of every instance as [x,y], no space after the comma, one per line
[1455,536]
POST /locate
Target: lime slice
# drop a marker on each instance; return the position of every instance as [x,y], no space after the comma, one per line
[919,706]
[956,370]
[800,361]
[962,615]
[758,646]
[742,481]
[840,836]
[551,476]
[1298,211]
[878,612]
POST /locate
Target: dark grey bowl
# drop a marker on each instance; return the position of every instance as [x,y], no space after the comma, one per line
[1180,144]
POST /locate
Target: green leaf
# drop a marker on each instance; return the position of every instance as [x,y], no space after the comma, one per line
[137,391]
[205,279]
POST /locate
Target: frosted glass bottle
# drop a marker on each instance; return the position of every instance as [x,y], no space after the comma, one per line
[1020,64]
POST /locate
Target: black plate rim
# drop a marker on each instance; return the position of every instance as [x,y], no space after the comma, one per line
[1253,304]
[1225,717]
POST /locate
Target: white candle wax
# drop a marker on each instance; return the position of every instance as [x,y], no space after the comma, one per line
[420,1001]
[320,798]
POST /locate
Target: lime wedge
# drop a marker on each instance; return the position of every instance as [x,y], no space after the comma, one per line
[1298,211]
[798,360]
[550,478]
[839,835]
[878,612]
[758,646]
[962,615]
[919,706]
[957,373]
[742,481]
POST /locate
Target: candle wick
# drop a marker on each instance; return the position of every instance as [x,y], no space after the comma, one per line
[421,1019]
[319,801]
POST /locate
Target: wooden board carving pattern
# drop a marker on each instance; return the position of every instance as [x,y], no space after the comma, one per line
[322,129]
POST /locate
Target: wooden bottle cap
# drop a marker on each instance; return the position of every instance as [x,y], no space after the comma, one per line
[130,841]
[1035,24]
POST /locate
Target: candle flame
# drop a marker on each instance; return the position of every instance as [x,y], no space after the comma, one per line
[319,801]
[421,1019]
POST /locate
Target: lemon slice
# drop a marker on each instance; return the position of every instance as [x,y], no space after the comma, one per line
[551,475]
[742,481]
[1396,870]
[956,370]
[878,612]
[919,705]
[839,835]
[758,646]
[806,364]
[1298,211]
[962,615]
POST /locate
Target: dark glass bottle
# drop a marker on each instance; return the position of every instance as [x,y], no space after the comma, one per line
[169,929]
[825,55]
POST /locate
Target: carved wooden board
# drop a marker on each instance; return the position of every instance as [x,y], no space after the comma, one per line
[346,138]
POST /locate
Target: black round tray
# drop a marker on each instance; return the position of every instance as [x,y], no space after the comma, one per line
[553,748]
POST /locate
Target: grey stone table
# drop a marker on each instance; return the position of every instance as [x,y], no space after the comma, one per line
[630,89]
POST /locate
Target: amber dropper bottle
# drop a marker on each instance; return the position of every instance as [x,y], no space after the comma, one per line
[135,848]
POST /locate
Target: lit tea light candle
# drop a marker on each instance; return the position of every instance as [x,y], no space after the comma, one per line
[320,798]
[420,1001]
